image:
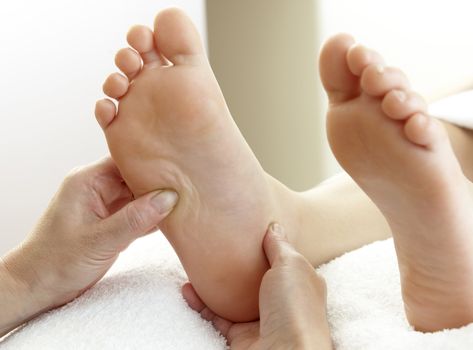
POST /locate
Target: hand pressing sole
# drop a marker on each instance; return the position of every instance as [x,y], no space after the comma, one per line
[173,130]
[382,136]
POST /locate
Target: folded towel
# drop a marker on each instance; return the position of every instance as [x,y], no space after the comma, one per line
[456,109]
[365,307]
[138,305]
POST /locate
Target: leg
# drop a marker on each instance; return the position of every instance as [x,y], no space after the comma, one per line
[337,216]
[381,134]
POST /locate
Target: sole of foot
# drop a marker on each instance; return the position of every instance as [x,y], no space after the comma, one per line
[172,129]
[381,134]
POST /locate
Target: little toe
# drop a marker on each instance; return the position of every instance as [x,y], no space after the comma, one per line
[423,130]
[105,111]
[115,86]
[177,38]
[359,57]
[339,82]
[141,38]
[400,104]
[377,80]
[128,61]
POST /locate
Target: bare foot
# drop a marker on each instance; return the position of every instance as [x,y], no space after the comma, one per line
[174,130]
[381,134]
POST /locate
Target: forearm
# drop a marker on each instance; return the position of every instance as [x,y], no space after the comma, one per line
[18,299]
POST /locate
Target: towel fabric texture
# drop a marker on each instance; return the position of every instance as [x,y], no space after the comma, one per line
[138,304]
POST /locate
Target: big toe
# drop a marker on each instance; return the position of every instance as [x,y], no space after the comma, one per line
[176,36]
[339,82]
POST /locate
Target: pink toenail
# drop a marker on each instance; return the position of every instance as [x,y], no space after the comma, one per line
[400,95]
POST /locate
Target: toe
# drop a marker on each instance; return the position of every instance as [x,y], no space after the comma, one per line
[359,57]
[105,111]
[177,38]
[400,104]
[339,82]
[129,62]
[377,80]
[141,38]
[115,86]
[423,130]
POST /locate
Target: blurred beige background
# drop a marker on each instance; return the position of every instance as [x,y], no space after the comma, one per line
[264,54]
[55,55]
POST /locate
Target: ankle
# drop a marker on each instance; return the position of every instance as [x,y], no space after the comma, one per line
[287,208]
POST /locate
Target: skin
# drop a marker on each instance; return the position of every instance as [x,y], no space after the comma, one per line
[297,322]
[90,220]
[178,139]
[172,129]
[93,217]
[22,270]
[381,134]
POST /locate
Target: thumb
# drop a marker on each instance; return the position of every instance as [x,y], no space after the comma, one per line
[138,217]
[276,245]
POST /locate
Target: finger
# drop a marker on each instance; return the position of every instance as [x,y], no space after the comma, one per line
[103,166]
[108,165]
[191,297]
[276,245]
[137,218]
[196,304]
[107,182]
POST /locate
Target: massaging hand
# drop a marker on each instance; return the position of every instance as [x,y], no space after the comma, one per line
[292,304]
[90,220]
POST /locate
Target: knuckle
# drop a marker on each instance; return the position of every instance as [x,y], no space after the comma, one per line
[286,254]
[74,175]
[296,260]
[135,219]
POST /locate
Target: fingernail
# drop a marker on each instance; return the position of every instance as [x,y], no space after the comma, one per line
[277,229]
[380,68]
[164,201]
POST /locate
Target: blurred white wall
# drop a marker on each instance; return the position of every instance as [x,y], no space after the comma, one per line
[54,57]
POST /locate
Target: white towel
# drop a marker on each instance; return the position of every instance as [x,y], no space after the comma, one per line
[138,305]
[365,307]
[456,109]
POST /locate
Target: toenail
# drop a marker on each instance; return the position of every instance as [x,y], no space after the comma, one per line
[400,95]
[380,68]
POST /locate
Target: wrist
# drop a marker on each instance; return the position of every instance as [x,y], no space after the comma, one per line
[20,295]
